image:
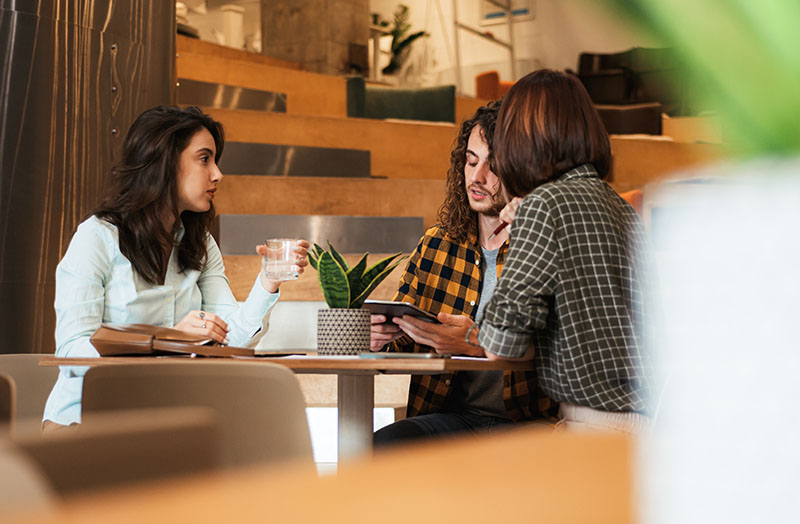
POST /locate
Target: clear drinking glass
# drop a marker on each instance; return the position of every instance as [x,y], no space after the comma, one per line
[280,260]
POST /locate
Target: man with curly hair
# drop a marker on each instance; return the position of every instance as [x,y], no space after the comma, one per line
[452,273]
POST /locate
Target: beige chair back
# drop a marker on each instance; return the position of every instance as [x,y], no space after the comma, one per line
[260,406]
[33,381]
[123,447]
[8,399]
[23,487]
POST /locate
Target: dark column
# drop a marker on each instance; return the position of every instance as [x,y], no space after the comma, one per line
[73,76]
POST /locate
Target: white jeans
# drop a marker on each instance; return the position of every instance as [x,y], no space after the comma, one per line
[580,418]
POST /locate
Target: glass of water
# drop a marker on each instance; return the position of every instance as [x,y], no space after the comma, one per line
[280,260]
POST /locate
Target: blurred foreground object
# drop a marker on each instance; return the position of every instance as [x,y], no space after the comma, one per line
[724,446]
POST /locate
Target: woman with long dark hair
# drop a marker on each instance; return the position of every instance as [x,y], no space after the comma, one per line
[573,291]
[145,255]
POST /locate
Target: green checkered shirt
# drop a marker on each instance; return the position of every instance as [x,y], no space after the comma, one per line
[445,276]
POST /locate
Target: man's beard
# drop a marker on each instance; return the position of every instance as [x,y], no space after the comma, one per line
[498,202]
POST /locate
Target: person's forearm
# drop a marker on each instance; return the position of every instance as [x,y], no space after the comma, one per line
[503,344]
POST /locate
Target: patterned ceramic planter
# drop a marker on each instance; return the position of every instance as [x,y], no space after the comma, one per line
[342,331]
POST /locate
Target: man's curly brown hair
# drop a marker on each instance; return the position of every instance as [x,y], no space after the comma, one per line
[456,217]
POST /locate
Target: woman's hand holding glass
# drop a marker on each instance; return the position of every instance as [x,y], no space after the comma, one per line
[300,254]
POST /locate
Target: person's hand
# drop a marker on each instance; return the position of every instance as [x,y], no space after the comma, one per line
[206,324]
[382,332]
[508,213]
[447,337]
[301,261]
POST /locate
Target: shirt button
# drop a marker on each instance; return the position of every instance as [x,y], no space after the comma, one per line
[471,302]
[447,382]
[478,262]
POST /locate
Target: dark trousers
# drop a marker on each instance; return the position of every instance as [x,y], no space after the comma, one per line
[437,425]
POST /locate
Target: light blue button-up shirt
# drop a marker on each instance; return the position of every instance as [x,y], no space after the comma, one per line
[96,284]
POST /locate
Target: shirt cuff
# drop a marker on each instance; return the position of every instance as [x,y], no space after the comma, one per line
[503,343]
[258,302]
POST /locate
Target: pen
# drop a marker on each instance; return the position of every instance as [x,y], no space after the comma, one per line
[498,229]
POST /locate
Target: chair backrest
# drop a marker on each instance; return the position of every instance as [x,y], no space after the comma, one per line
[23,487]
[33,381]
[8,399]
[260,407]
[123,447]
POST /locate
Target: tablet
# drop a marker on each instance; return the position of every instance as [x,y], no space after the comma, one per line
[389,309]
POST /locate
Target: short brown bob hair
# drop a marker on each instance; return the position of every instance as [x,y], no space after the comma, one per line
[547,126]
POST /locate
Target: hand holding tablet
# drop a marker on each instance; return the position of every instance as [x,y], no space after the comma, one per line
[390,309]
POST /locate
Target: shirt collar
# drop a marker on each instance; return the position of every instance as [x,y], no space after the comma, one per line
[582,171]
[180,232]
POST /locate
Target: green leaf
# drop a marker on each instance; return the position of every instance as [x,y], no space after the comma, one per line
[333,281]
[357,286]
[377,279]
[354,275]
[339,258]
[312,259]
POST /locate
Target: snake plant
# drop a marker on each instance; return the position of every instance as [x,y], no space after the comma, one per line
[344,286]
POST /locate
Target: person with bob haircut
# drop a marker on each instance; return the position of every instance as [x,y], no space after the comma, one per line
[452,273]
[145,254]
[572,295]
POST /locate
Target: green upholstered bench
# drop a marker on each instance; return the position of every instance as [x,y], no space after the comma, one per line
[433,104]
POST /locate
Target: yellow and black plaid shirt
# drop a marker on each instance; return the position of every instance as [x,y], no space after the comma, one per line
[445,276]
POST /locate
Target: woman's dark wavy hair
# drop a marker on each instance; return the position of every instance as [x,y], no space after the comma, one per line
[456,217]
[143,189]
[546,127]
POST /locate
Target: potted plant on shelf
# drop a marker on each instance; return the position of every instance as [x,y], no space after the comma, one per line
[344,328]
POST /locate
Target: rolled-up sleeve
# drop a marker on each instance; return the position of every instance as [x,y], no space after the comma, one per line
[523,298]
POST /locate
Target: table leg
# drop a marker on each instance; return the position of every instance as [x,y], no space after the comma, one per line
[356,401]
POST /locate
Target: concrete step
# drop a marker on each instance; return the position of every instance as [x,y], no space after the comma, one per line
[196,93]
[276,195]
[236,234]
[292,161]
[398,149]
[306,93]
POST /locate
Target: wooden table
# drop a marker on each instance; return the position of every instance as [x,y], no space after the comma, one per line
[525,475]
[355,377]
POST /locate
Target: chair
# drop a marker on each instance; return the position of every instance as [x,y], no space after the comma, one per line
[489,86]
[123,447]
[33,381]
[635,197]
[8,399]
[23,487]
[260,406]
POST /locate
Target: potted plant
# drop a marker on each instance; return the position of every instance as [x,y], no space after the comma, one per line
[401,40]
[344,328]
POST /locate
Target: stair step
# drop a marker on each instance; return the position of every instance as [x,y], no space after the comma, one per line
[184,44]
[252,195]
[306,93]
[238,234]
[197,93]
[640,160]
[398,149]
[276,159]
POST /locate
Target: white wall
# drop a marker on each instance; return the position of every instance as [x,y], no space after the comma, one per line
[560,31]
